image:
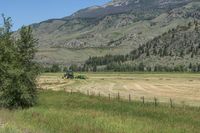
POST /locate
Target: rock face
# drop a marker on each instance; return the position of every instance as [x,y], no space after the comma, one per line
[75,44]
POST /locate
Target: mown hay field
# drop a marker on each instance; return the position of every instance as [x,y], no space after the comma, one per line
[183,89]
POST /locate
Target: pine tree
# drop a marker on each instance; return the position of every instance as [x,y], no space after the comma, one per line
[190,66]
[94,68]
[141,67]
[148,53]
[182,53]
[165,53]
[154,51]
[192,55]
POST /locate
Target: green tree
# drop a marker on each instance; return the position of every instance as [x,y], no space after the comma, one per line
[94,68]
[73,67]
[141,67]
[182,53]
[65,69]
[147,53]
[165,53]
[55,68]
[18,71]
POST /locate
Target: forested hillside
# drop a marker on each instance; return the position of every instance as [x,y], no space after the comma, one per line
[176,50]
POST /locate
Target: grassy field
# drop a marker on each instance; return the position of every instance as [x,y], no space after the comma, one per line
[74,56]
[181,88]
[61,112]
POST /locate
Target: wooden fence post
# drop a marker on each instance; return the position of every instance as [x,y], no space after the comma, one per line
[142,99]
[71,91]
[155,101]
[109,96]
[99,94]
[88,92]
[171,103]
[118,97]
[129,98]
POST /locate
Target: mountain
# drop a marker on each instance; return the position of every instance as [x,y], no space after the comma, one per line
[117,27]
[126,6]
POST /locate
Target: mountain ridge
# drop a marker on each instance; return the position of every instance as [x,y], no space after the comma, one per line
[122,31]
[123,6]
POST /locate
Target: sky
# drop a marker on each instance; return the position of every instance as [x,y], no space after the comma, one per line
[25,12]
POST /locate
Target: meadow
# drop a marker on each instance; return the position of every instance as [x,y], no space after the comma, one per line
[64,106]
[61,112]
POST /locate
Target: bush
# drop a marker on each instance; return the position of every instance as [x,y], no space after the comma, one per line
[81,77]
[55,68]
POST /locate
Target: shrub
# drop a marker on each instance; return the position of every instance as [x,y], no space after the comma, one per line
[81,77]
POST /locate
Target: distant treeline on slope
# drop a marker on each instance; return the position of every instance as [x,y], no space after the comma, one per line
[176,50]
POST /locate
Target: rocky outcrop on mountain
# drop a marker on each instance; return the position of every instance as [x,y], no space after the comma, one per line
[75,44]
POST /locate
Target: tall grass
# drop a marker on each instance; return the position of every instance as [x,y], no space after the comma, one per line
[60,112]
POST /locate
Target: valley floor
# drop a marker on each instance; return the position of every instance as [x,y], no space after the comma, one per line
[183,89]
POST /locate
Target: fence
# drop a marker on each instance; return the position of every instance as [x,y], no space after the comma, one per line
[129,98]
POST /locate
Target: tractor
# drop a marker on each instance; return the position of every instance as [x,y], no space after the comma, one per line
[69,74]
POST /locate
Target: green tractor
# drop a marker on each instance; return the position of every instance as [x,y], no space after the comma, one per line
[69,74]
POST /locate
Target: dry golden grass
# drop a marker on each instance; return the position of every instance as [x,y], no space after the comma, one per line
[181,88]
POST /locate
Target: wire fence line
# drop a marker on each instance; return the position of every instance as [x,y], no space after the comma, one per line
[131,98]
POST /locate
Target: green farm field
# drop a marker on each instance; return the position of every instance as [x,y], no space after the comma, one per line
[61,112]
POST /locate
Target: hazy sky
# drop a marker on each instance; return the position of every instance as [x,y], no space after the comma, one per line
[25,12]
